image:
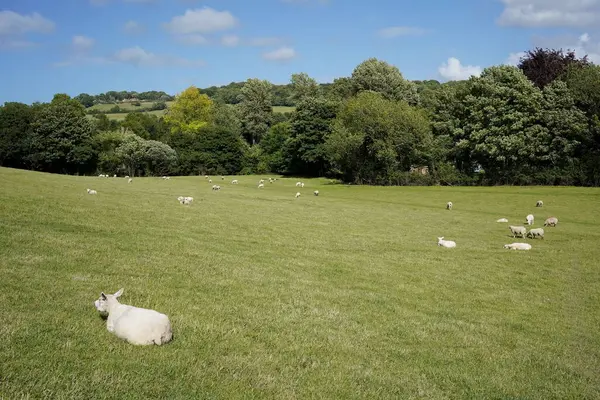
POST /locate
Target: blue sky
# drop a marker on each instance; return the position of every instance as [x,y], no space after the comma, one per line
[93,46]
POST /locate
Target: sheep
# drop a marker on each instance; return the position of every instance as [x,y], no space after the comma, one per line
[261,185]
[216,187]
[529,219]
[552,221]
[185,200]
[517,230]
[129,180]
[126,176]
[518,246]
[537,232]
[271,180]
[316,192]
[261,181]
[302,184]
[449,205]
[222,178]
[502,220]
[115,175]
[210,181]
[101,176]
[539,203]
[446,243]
[205,176]
[297,194]
[166,177]
[138,326]
[91,191]
[298,183]
[234,182]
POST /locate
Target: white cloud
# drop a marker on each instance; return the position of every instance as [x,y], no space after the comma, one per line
[284,53]
[453,70]
[15,44]
[133,27]
[201,20]
[230,40]
[549,13]
[514,58]
[395,31]
[12,23]
[193,40]
[264,41]
[139,57]
[82,43]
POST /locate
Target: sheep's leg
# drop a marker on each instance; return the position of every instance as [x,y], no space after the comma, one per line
[110,326]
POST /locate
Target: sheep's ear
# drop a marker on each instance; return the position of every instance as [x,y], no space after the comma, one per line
[119,293]
[102,296]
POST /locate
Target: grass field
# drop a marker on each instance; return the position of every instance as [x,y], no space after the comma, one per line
[146,105]
[340,296]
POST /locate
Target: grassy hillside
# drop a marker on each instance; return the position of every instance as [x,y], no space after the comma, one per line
[146,105]
[340,296]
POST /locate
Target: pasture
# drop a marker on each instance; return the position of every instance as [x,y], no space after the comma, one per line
[340,296]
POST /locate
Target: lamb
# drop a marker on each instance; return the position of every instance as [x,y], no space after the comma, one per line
[185,200]
[539,203]
[449,205]
[216,187]
[446,243]
[222,178]
[517,230]
[261,185]
[271,180]
[138,326]
[302,184]
[316,192]
[552,221]
[234,182]
[502,220]
[537,232]
[518,246]
[529,219]
[166,177]
[261,181]
[101,176]
[210,181]
[297,194]
[298,183]
[129,180]
[91,191]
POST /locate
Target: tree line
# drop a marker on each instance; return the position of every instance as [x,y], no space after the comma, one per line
[534,123]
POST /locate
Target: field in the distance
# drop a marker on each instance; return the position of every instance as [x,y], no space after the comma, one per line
[340,296]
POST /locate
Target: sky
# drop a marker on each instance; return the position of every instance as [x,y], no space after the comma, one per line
[93,46]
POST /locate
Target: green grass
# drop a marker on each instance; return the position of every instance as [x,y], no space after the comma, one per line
[283,109]
[340,296]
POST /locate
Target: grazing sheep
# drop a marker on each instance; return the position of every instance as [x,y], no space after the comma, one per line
[261,181]
[529,219]
[518,246]
[449,205]
[552,221]
[261,185]
[271,180]
[139,326]
[129,180]
[115,175]
[205,176]
[537,232]
[502,220]
[216,187]
[126,176]
[297,194]
[101,176]
[539,203]
[517,230]
[166,177]
[298,183]
[210,181]
[222,178]
[234,182]
[91,191]
[316,192]
[302,184]
[446,243]
[185,200]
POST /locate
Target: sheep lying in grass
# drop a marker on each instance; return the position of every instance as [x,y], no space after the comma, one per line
[261,185]
[552,221]
[446,243]
[91,191]
[234,182]
[297,194]
[185,200]
[537,232]
[539,203]
[166,177]
[101,176]
[298,184]
[517,230]
[316,192]
[502,220]
[529,219]
[518,246]
[216,187]
[449,205]
[139,326]
[129,180]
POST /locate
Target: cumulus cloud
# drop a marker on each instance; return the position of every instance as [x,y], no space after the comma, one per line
[395,31]
[137,56]
[201,20]
[82,43]
[230,40]
[284,53]
[453,70]
[133,27]
[514,58]
[549,13]
[12,23]
[193,40]
[264,41]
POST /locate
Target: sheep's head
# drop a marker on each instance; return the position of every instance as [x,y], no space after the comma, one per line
[105,300]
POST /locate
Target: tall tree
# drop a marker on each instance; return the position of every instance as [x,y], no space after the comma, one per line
[190,111]
[255,109]
[303,86]
[381,77]
[543,66]
[15,134]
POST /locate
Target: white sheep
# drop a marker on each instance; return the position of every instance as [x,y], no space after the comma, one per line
[91,191]
[446,243]
[316,192]
[261,181]
[101,176]
[126,176]
[261,185]
[539,203]
[205,176]
[529,219]
[552,221]
[302,184]
[234,182]
[216,187]
[139,326]
[449,205]
[298,183]
[185,200]
[222,178]
[210,181]
[537,232]
[271,180]
[502,220]
[166,177]
[129,180]
[297,194]
[518,246]
[517,230]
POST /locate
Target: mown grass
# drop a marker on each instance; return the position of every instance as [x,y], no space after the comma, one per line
[340,296]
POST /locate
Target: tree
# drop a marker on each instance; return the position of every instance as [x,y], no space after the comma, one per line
[85,99]
[381,77]
[543,66]
[303,86]
[375,139]
[190,111]
[147,126]
[15,134]
[159,157]
[255,109]
[226,116]
[272,146]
